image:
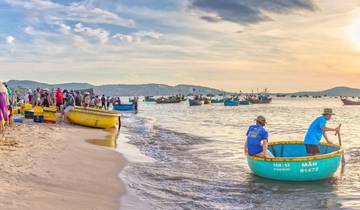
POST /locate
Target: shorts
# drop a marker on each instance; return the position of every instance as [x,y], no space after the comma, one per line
[10,111]
[312,149]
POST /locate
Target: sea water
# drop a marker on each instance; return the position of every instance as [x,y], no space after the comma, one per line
[185,157]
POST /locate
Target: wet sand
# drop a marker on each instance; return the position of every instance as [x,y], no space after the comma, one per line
[52,167]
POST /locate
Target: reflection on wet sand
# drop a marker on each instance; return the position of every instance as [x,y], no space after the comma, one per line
[320,194]
[109,141]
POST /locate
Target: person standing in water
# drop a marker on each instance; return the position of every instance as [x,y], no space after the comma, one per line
[317,130]
[257,139]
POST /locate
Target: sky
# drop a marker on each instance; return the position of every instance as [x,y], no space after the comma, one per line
[282,45]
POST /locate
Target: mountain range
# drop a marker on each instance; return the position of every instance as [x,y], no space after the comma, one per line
[161,89]
[336,91]
[122,90]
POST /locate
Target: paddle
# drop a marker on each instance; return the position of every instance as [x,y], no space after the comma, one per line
[342,154]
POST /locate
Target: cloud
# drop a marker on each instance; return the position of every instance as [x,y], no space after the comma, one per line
[81,12]
[247,11]
[100,34]
[10,40]
[138,36]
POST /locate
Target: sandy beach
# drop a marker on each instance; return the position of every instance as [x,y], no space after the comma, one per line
[47,166]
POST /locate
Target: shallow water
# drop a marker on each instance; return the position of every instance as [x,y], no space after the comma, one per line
[198,161]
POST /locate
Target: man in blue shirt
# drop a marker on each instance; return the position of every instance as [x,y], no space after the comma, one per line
[317,130]
[257,139]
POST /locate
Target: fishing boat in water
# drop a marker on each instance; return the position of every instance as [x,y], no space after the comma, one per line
[349,102]
[169,100]
[95,118]
[217,101]
[231,103]
[195,102]
[244,102]
[124,107]
[291,162]
[149,99]
[259,99]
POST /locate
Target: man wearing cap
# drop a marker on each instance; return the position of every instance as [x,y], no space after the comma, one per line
[257,139]
[317,130]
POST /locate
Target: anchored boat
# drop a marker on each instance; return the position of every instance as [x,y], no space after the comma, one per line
[349,102]
[291,162]
[194,102]
[93,117]
[231,103]
[123,107]
[217,101]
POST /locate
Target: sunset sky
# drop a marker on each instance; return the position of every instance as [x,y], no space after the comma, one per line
[283,45]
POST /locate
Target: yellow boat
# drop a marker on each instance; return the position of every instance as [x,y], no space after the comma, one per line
[94,118]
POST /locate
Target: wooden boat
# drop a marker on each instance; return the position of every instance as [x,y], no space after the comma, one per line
[291,162]
[231,103]
[170,100]
[244,102]
[217,101]
[123,107]
[194,102]
[260,100]
[349,102]
[149,99]
[93,117]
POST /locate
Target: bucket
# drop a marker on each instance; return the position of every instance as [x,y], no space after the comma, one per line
[38,119]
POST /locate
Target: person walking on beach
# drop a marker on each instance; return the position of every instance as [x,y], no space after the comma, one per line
[103,102]
[257,139]
[78,99]
[317,130]
[59,98]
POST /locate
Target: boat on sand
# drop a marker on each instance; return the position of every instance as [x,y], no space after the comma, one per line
[94,118]
[291,162]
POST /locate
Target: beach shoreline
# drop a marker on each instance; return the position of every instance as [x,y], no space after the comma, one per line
[49,166]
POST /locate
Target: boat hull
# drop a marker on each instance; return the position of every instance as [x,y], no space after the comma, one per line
[231,103]
[244,102]
[309,168]
[93,118]
[349,102]
[217,101]
[123,107]
[194,102]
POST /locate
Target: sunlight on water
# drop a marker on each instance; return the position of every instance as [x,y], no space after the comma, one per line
[199,161]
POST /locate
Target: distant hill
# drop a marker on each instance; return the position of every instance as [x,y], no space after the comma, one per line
[336,91]
[122,90]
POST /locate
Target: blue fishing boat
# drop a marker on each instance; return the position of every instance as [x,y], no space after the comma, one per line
[194,102]
[291,162]
[231,103]
[123,107]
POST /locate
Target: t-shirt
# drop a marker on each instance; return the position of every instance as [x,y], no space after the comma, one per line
[315,133]
[255,134]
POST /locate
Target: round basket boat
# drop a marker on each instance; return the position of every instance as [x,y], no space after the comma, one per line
[291,162]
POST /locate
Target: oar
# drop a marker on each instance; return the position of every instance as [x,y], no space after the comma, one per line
[342,154]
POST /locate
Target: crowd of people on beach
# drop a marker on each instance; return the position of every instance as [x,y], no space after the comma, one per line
[62,99]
